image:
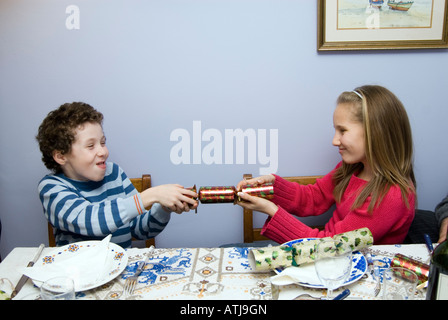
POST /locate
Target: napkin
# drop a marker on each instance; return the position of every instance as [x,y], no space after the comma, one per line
[85,267]
[301,253]
[305,273]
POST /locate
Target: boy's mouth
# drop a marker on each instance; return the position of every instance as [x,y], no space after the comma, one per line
[101,164]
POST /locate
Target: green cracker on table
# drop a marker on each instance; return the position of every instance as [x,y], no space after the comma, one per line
[268,258]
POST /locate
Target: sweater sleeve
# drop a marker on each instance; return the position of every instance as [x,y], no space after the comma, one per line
[389,222]
[68,210]
[304,200]
[442,210]
[151,223]
[300,200]
[283,227]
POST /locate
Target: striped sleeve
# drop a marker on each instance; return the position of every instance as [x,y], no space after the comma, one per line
[138,204]
[151,223]
[70,210]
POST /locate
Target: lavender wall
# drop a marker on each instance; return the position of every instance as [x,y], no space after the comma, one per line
[161,71]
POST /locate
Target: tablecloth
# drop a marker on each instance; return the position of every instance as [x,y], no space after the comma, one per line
[364,288]
[190,273]
[202,274]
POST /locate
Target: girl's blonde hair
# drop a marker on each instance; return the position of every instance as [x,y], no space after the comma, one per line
[389,146]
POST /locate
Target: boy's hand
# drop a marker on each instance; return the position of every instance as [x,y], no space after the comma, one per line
[172,196]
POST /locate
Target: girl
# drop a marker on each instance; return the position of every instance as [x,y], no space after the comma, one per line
[373,186]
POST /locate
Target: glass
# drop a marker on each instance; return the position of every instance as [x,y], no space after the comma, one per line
[399,284]
[333,265]
[59,288]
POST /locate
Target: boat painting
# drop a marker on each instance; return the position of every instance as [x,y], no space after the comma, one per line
[359,14]
[400,5]
[376,3]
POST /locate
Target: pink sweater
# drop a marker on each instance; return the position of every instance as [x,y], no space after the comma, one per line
[389,222]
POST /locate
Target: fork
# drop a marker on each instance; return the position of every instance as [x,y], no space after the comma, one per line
[377,289]
[131,282]
[375,272]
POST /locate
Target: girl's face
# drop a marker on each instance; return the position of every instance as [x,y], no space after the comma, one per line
[87,158]
[349,135]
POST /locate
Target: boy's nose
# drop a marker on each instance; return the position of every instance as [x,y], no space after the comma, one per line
[103,151]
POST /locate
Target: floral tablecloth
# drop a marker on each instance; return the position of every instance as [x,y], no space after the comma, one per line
[363,289]
[180,274]
[201,274]
[190,273]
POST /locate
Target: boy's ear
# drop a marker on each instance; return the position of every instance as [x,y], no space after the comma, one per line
[59,157]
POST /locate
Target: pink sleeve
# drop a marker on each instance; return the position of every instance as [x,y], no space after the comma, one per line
[389,222]
[304,200]
[283,227]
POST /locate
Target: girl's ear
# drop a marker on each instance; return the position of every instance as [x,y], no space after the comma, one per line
[59,157]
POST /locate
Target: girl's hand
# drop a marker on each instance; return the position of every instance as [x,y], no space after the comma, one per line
[257,204]
[260,180]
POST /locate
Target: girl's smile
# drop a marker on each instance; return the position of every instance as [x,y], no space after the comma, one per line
[349,136]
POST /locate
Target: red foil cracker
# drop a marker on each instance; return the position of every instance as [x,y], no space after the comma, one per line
[222,194]
[419,268]
[265,190]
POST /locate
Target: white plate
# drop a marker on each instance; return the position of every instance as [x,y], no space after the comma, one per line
[117,254]
[359,266]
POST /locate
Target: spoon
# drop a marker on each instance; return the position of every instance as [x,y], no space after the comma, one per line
[305,296]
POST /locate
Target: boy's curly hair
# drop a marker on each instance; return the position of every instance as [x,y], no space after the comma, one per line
[57,130]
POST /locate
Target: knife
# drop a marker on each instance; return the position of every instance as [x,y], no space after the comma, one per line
[24,278]
[344,294]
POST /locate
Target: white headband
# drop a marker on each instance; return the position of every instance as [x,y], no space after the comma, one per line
[358,94]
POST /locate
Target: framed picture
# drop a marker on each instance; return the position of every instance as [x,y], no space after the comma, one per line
[381,24]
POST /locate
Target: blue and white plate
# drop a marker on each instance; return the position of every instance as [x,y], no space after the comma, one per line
[359,266]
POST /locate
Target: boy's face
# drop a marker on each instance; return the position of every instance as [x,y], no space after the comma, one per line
[87,158]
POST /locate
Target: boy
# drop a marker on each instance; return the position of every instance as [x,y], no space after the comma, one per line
[88,198]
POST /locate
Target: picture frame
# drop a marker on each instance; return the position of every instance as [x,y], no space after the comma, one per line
[375,25]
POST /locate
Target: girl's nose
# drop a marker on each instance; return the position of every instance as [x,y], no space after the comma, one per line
[336,142]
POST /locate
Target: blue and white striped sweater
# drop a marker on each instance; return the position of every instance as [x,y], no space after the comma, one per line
[92,210]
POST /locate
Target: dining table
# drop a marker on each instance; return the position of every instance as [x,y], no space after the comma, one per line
[201,274]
